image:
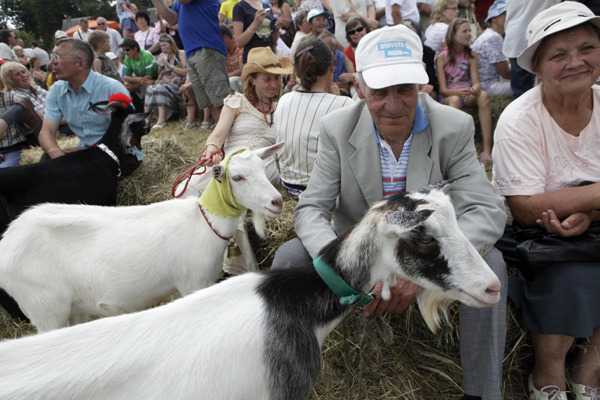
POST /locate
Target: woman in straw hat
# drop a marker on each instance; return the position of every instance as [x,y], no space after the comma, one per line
[547,143]
[246,121]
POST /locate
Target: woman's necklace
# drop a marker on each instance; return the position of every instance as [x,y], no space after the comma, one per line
[264,113]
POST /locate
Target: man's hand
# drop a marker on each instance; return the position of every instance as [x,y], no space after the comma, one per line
[574,225]
[401,295]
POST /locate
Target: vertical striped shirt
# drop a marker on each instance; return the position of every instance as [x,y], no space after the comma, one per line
[393,172]
[297,120]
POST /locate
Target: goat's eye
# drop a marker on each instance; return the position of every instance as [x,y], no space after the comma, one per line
[426,239]
[237,178]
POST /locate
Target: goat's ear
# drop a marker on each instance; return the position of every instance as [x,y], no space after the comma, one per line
[131,118]
[218,171]
[267,152]
[403,221]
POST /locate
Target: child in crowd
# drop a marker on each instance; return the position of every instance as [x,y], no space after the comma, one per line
[458,77]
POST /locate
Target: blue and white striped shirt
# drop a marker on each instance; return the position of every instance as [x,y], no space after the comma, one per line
[393,172]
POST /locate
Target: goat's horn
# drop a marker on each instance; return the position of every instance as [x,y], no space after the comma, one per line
[115,104]
[442,185]
[100,103]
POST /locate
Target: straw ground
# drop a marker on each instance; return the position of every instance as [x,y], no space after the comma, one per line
[394,357]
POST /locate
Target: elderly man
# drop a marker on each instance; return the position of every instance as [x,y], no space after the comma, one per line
[394,140]
[70,97]
[204,49]
[8,40]
[115,36]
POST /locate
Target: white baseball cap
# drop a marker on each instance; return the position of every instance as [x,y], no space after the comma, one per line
[60,35]
[111,55]
[550,21]
[315,13]
[391,56]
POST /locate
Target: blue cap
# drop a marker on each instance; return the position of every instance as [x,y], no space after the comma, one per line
[497,9]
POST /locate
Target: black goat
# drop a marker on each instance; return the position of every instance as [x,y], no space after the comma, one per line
[87,176]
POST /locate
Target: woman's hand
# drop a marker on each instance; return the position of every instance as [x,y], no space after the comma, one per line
[346,16]
[428,89]
[184,87]
[476,89]
[211,156]
[574,225]
[347,77]
[401,295]
[259,17]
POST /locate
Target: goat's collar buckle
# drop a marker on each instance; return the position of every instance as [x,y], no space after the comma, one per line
[348,296]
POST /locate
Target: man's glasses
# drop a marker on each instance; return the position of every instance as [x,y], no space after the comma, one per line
[126,49]
[353,31]
[56,58]
[101,23]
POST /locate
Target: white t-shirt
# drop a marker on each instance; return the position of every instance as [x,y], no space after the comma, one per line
[533,155]
[297,119]
[435,36]
[408,9]
[7,54]
[519,14]
[81,35]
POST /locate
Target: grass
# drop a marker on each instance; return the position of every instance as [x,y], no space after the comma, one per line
[394,357]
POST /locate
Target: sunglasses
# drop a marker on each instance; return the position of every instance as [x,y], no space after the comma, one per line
[126,49]
[353,31]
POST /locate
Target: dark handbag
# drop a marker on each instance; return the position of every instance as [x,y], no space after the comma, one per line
[536,249]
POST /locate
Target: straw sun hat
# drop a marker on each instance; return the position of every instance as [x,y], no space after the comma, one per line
[262,59]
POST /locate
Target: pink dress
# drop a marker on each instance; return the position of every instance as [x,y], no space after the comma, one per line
[458,75]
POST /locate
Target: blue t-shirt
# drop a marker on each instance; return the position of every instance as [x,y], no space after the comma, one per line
[199,26]
[340,66]
[89,126]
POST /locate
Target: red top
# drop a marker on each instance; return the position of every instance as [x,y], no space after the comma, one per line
[350,53]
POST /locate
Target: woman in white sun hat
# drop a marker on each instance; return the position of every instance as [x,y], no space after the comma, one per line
[547,143]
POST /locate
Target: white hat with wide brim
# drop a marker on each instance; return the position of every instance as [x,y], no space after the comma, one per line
[553,20]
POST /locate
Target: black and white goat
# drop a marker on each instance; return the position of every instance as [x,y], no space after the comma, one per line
[258,335]
[63,263]
[87,176]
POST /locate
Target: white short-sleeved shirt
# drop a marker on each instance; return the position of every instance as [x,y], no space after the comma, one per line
[408,9]
[340,7]
[435,36]
[488,47]
[533,155]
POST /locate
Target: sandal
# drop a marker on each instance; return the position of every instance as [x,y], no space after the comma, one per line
[158,126]
[205,125]
[189,127]
[554,392]
[583,392]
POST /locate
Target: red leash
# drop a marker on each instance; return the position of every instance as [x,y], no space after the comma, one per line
[187,175]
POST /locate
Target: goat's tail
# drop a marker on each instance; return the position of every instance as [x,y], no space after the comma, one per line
[433,306]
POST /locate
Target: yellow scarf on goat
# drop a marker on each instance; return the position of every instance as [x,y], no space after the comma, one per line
[218,198]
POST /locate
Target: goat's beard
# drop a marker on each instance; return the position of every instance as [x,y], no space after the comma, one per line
[258,220]
[433,305]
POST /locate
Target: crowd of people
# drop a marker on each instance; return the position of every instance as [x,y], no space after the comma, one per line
[366,95]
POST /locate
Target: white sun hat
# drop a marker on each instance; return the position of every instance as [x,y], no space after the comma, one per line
[550,21]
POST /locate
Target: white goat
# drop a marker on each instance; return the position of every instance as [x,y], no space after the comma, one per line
[62,263]
[258,335]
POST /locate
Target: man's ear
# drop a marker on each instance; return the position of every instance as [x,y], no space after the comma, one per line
[359,92]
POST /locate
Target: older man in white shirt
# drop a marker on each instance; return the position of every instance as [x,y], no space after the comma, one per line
[115,37]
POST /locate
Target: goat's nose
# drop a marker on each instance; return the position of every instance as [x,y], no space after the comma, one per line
[494,288]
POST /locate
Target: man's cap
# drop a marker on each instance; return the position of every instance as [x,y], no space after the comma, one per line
[496,9]
[391,56]
[550,21]
[315,13]
[60,35]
